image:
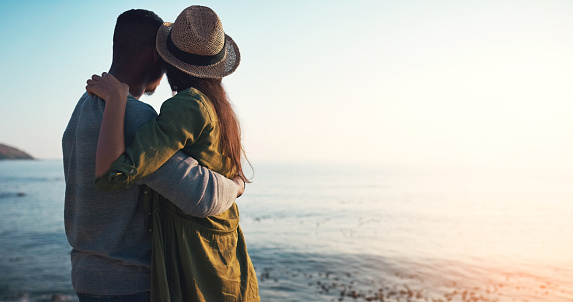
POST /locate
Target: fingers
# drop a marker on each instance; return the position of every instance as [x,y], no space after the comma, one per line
[93,81]
[91,89]
[107,87]
[96,77]
[93,85]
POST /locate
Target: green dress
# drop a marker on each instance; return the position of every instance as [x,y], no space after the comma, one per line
[193,258]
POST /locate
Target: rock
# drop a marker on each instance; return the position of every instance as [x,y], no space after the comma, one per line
[61,297]
[7,152]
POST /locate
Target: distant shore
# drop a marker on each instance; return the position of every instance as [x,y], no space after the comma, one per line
[9,153]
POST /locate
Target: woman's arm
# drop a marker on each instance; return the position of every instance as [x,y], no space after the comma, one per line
[111,143]
[183,120]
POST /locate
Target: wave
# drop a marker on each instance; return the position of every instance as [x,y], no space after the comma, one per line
[11,194]
[29,179]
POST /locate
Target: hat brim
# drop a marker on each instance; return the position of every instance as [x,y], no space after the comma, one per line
[223,68]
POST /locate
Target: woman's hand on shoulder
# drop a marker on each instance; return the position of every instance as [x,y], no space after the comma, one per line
[108,87]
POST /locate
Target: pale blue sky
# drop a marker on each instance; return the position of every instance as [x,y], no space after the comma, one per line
[430,82]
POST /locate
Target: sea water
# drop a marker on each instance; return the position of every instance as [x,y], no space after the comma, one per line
[343,233]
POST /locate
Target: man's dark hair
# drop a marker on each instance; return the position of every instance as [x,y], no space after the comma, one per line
[135,31]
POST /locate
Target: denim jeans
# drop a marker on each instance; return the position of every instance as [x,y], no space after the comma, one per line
[140,297]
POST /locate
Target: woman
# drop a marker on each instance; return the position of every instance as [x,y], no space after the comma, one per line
[193,259]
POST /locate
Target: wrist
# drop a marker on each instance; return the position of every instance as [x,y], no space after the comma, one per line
[117,98]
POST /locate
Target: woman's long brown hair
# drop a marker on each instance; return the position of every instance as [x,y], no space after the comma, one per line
[229,127]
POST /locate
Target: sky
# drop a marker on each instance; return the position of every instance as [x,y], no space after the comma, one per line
[455,82]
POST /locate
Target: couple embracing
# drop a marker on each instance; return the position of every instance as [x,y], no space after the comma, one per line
[160,221]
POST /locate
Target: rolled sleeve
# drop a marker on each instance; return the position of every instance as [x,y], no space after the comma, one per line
[120,176]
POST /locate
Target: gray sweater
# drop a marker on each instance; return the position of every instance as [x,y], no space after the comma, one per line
[107,230]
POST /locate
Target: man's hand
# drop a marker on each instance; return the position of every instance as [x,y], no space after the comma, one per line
[240,184]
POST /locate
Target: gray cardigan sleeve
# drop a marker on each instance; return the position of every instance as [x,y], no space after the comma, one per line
[196,190]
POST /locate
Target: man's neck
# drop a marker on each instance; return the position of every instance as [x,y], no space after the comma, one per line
[136,87]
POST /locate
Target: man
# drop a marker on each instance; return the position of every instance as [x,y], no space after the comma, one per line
[108,231]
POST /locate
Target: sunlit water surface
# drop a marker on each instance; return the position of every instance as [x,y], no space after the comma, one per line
[344,233]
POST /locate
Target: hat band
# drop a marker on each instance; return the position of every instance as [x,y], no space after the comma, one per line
[194,59]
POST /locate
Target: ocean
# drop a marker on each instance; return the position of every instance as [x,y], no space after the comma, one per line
[343,232]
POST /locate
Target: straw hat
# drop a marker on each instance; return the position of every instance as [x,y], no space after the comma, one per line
[196,44]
